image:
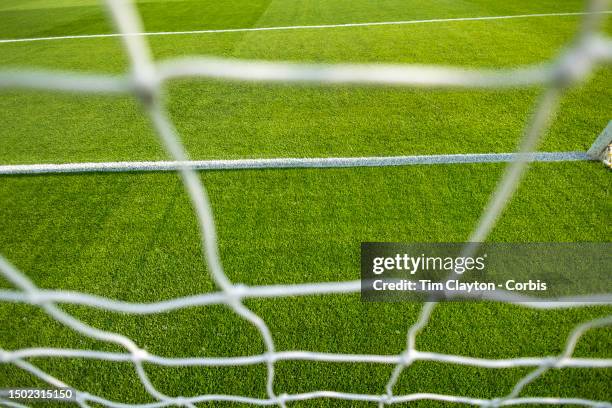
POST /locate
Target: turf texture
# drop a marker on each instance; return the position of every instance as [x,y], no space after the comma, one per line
[133,236]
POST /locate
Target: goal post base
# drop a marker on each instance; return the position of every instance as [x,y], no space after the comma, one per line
[601,149]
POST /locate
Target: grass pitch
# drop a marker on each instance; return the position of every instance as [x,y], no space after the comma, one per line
[133,236]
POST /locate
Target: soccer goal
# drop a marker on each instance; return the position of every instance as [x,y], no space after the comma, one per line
[587,50]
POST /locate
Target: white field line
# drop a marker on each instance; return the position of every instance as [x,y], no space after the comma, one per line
[301,27]
[285,163]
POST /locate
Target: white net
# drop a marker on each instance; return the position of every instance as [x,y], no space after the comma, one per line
[144,82]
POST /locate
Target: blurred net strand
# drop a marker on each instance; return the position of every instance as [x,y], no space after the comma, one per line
[11,404]
[83,398]
[301,355]
[145,82]
[277,291]
[148,91]
[573,65]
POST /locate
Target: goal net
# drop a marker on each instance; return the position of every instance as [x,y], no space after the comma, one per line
[144,81]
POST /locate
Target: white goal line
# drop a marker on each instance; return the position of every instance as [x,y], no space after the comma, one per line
[145,81]
[288,163]
[301,27]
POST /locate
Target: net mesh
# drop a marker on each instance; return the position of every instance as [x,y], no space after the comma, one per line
[145,80]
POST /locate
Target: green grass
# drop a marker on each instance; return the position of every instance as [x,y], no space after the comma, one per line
[134,237]
[229,120]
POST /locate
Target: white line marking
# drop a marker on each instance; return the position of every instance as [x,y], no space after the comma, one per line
[286,163]
[300,27]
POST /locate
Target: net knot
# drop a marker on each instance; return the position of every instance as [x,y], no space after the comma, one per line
[576,64]
[145,86]
[385,399]
[181,401]
[407,357]
[551,362]
[35,298]
[270,357]
[139,355]
[282,399]
[236,293]
[493,403]
[81,396]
